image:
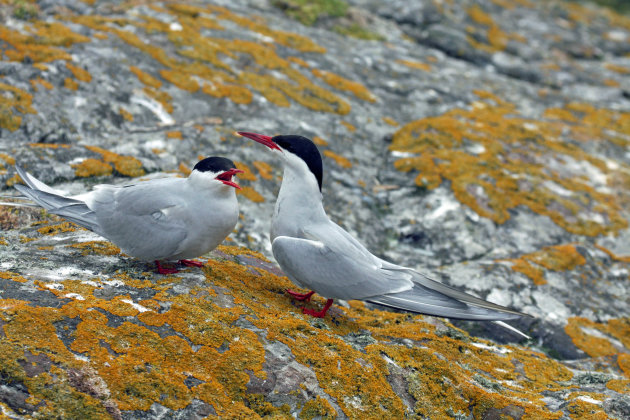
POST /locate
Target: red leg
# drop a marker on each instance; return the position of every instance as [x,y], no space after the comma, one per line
[301,296]
[191,263]
[164,270]
[321,313]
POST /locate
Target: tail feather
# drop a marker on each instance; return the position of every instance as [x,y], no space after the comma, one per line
[35,183]
[470,300]
[71,209]
[422,300]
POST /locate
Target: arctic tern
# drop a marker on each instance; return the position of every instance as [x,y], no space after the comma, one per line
[317,254]
[166,219]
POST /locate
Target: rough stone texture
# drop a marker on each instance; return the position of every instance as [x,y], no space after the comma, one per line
[485,143]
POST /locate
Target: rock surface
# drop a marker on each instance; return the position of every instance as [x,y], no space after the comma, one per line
[485,143]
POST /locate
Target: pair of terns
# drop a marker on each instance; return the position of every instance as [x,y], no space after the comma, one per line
[175,219]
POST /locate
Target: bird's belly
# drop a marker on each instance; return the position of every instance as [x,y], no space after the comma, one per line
[204,237]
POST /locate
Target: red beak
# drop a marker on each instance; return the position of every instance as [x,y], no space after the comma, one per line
[226,177]
[260,138]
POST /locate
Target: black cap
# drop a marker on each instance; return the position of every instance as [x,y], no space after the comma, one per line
[214,164]
[306,150]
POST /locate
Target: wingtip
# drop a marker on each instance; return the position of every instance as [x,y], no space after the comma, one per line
[513,329]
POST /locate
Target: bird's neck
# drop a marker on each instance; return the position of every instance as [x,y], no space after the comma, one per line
[299,203]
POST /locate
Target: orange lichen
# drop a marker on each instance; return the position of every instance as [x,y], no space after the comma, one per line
[71,84]
[40,81]
[128,116]
[92,167]
[478,15]
[557,258]
[7,275]
[390,121]
[201,340]
[174,135]
[583,410]
[57,228]
[348,126]
[264,169]
[125,165]
[339,160]
[251,194]
[617,69]
[146,78]
[160,96]
[613,256]
[248,174]
[49,145]
[598,339]
[623,359]
[79,73]
[97,247]
[42,46]
[7,159]
[13,100]
[298,61]
[338,82]
[319,141]
[496,161]
[184,170]
[415,64]
[536,274]
[214,76]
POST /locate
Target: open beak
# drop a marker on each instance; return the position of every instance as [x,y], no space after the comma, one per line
[260,138]
[226,177]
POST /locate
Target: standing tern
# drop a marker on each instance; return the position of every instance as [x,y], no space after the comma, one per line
[166,219]
[317,254]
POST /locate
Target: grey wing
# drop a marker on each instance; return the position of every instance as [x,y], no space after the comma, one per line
[144,220]
[315,265]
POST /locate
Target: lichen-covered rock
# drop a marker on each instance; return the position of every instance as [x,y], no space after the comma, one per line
[483,142]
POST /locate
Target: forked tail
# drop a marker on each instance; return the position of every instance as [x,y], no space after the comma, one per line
[52,200]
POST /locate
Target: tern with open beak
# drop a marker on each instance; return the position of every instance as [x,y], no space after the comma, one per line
[166,219]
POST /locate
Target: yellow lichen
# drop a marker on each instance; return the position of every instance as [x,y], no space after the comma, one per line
[125,165]
[7,159]
[351,128]
[251,194]
[247,175]
[319,141]
[7,275]
[495,161]
[57,228]
[174,135]
[338,82]
[612,255]
[340,160]
[200,339]
[13,100]
[390,121]
[597,344]
[92,167]
[415,64]
[557,258]
[79,73]
[128,116]
[264,169]
[617,69]
[40,81]
[97,247]
[146,78]
[71,84]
